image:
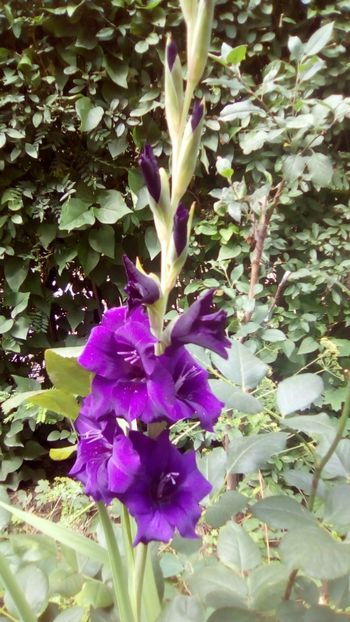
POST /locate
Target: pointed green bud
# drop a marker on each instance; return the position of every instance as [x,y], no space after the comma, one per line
[199,45]
[173,89]
[188,154]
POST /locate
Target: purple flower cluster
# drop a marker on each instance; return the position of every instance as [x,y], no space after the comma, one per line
[160,486]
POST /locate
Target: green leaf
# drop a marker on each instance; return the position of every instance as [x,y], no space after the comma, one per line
[236,549]
[308,345]
[233,614]
[16,271]
[94,594]
[320,556]
[318,40]
[113,207]
[316,426]
[213,467]
[65,536]
[321,169]
[152,242]
[89,115]
[58,401]
[117,71]
[218,586]
[235,398]
[102,240]
[184,609]
[171,565]
[241,367]
[61,453]
[236,55]
[298,392]
[73,614]
[31,150]
[273,335]
[282,512]
[66,373]
[5,324]
[229,504]
[337,506]
[240,111]
[249,454]
[296,48]
[16,400]
[293,166]
[76,213]
[35,587]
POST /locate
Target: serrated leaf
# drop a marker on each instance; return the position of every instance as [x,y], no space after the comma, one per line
[298,392]
[57,401]
[65,373]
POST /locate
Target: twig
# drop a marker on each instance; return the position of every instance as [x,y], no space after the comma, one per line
[279,292]
[260,237]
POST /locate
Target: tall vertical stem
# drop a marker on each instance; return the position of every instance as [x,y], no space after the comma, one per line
[24,611]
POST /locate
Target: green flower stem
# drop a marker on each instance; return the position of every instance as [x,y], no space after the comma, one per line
[119,579]
[127,537]
[139,573]
[151,598]
[185,110]
[24,611]
[340,431]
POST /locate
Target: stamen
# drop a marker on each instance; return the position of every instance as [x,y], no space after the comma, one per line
[169,478]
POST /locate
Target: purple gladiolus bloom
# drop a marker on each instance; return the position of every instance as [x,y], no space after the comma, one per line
[106,460]
[193,396]
[141,289]
[197,113]
[200,325]
[150,170]
[180,228]
[130,380]
[165,494]
[171,53]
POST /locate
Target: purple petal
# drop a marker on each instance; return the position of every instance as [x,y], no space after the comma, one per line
[171,53]
[197,113]
[150,170]
[180,228]
[141,289]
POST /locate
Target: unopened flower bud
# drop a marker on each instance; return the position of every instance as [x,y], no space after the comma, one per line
[187,159]
[178,247]
[157,183]
[173,90]
[141,288]
[199,45]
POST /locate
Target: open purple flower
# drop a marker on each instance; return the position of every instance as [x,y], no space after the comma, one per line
[203,326]
[193,396]
[130,380]
[180,229]
[106,461]
[150,170]
[165,494]
[141,289]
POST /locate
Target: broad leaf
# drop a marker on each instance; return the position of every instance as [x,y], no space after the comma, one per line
[58,401]
[337,506]
[235,398]
[66,373]
[298,392]
[35,587]
[89,115]
[236,549]
[282,512]
[218,586]
[241,367]
[251,453]
[229,504]
[184,608]
[75,214]
[318,40]
[113,207]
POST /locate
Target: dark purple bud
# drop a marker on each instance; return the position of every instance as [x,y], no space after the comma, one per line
[150,170]
[197,113]
[202,325]
[180,228]
[171,53]
[141,289]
